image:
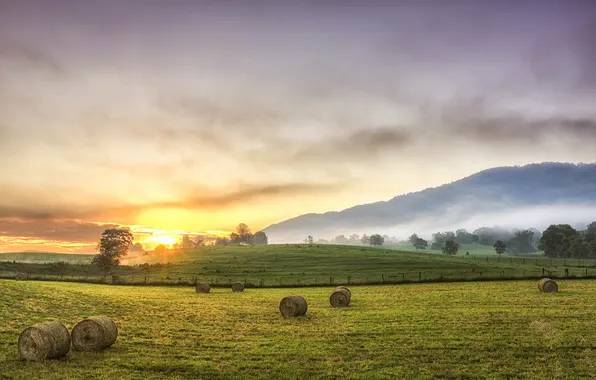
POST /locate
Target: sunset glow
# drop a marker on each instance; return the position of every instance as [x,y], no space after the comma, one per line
[163,239]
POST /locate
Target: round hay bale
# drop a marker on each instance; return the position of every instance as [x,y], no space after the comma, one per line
[546,285]
[293,306]
[203,287]
[21,277]
[237,287]
[343,287]
[340,297]
[94,334]
[48,340]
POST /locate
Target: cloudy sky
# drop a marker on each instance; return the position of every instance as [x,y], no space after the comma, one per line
[198,115]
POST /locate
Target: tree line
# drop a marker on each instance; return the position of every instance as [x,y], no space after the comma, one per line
[558,240]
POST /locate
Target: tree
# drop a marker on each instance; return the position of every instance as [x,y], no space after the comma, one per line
[245,236]
[557,239]
[341,239]
[499,247]
[113,245]
[377,240]
[354,239]
[222,241]
[413,239]
[311,240]
[365,239]
[464,237]
[420,244]
[260,238]
[522,242]
[235,238]
[450,247]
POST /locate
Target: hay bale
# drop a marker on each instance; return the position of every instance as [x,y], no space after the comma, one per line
[293,306]
[203,287]
[21,277]
[94,334]
[546,285]
[340,297]
[48,340]
[237,287]
[343,287]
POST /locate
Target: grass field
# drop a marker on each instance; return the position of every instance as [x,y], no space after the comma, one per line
[449,330]
[288,265]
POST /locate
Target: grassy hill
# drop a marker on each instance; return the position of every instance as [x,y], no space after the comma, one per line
[286,265]
[448,331]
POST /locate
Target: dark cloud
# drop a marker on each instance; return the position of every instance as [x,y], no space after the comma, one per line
[52,230]
[127,212]
[21,53]
[362,145]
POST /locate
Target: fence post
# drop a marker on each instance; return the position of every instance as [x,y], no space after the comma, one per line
[419,276]
[403,276]
[382,277]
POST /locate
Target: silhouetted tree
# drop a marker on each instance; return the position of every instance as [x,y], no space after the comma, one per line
[310,239]
[235,238]
[244,233]
[341,239]
[222,241]
[113,245]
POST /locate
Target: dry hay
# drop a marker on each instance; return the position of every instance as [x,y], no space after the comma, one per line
[238,287]
[48,340]
[293,306]
[546,285]
[21,277]
[343,287]
[340,297]
[203,287]
[94,334]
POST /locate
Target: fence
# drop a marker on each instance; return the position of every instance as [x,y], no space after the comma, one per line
[311,281]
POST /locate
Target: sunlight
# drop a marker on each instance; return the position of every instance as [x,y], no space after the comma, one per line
[162,239]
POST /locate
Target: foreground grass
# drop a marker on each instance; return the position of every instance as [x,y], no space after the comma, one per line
[452,330]
[283,265]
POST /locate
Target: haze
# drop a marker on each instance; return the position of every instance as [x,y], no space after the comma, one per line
[198,115]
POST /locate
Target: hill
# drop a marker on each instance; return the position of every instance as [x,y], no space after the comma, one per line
[519,196]
[300,265]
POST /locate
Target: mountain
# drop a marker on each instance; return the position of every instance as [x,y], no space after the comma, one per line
[514,196]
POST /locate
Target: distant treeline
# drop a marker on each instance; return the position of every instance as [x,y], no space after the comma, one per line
[558,240]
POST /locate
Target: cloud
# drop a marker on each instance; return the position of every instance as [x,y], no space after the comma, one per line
[31,56]
[365,144]
[54,230]
[190,200]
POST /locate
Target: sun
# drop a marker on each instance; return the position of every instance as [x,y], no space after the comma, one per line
[163,239]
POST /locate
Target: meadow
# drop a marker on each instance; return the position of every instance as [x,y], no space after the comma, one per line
[301,265]
[487,330]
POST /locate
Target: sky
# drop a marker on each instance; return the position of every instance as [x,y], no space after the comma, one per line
[198,115]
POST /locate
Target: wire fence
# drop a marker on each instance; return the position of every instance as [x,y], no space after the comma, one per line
[389,277]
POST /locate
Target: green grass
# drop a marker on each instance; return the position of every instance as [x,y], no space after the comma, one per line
[45,257]
[289,265]
[488,330]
